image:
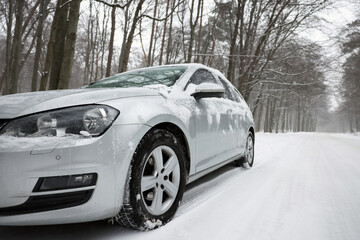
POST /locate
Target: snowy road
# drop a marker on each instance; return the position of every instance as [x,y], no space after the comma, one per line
[302,186]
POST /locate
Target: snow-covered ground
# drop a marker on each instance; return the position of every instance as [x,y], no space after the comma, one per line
[302,186]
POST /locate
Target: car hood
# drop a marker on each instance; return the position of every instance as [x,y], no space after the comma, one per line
[15,105]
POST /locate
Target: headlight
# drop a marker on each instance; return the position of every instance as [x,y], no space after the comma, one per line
[88,120]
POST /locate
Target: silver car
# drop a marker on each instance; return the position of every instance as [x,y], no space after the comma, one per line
[122,148]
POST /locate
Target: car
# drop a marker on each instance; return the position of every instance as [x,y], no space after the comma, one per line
[122,148]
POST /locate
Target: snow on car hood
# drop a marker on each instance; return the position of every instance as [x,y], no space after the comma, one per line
[16,105]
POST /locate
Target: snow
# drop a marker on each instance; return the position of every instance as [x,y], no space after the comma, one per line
[302,186]
[16,144]
[180,103]
[151,225]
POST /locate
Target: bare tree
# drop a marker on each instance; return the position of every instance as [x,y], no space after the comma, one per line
[149,56]
[111,42]
[193,23]
[164,33]
[9,21]
[350,85]
[128,39]
[60,29]
[292,91]
[39,42]
[69,48]
[16,48]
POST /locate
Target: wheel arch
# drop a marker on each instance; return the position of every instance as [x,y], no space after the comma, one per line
[180,135]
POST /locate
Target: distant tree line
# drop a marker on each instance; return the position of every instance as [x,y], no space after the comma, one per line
[348,113]
[60,44]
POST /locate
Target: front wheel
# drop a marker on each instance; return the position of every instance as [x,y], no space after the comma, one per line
[157,182]
[247,160]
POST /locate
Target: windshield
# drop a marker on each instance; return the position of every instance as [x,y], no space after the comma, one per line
[138,78]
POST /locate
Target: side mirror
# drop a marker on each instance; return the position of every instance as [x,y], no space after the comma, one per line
[205,90]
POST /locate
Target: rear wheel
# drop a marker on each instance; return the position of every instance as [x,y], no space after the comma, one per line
[156,184]
[247,160]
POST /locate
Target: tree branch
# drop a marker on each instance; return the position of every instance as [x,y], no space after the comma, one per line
[116,5]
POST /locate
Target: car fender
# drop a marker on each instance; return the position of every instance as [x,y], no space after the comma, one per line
[154,110]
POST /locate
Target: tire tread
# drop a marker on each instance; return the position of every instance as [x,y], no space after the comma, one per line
[127,216]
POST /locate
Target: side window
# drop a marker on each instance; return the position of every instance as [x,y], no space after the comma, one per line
[202,76]
[239,95]
[229,91]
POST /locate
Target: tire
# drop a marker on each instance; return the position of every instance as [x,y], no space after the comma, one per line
[247,160]
[157,182]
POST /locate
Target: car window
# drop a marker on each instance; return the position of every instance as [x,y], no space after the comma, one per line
[238,94]
[202,76]
[229,90]
[142,77]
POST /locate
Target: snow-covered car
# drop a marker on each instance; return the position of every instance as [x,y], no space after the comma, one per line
[122,148]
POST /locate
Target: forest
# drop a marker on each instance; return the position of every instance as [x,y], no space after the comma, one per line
[258,44]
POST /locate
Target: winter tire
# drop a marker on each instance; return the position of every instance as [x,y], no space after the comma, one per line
[247,160]
[157,181]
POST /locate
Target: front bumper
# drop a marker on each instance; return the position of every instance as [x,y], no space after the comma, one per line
[21,167]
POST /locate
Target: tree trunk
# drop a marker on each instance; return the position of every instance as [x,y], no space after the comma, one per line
[39,42]
[152,35]
[169,34]
[94,43]
[125,50]
[212,35]
[231,68]
[6,74]
[199,34]
[272,114]
[164,33]
[104,34]
[259,117]
[16,47]
[69,48]
[284,120]
[49,55]
[266,121]
[192,28]
[89,36]
[298,128]
[111,42]
[59,42]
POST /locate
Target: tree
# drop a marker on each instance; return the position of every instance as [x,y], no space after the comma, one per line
[164,33]
[16,48]
[39,42]
[19,25]
[129,37]
[351,82]
[292,92]
[9,21]
[193,23]
[69,48]
[111,42]
[149,57]
[239,15]
[61,46]
[58,30]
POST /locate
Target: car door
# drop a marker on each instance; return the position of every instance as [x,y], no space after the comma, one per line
[214,127]
[238,113]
